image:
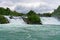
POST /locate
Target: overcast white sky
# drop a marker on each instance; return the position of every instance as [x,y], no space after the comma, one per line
[26,5]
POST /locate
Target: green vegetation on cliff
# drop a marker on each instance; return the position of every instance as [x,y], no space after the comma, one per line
[56,12]
[3,20]
[7,11]
[33,18]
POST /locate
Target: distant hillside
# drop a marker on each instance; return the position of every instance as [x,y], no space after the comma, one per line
[7,11]
[56,12]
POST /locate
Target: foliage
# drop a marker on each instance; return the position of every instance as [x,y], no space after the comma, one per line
[45,15]
[33,18]
[7,11]
[56,12]
[3,20]
[31,13]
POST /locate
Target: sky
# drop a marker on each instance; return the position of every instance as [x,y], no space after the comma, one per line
[39,6]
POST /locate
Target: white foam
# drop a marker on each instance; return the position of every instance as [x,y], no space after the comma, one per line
[15,20]
[45,20]
[50,20]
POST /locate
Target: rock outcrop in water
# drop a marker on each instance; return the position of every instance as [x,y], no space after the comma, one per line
[32,18]
[3,20]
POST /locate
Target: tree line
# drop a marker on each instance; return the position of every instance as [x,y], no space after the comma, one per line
[7,11]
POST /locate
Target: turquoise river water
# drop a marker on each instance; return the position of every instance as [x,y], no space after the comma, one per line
[29,32]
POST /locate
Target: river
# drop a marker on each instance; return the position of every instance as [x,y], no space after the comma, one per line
[19,30]
[29,32]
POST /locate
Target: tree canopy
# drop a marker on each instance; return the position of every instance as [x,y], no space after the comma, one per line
[56,12]
[3,20]
[33,18]
[7,11]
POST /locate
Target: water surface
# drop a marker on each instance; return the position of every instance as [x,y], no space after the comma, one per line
[29,32]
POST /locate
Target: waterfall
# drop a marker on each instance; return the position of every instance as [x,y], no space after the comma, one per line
[15,20]
[44,20]
[50,20]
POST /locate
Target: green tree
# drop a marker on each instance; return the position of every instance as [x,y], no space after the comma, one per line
[8,11]
[2,10]
[33,18]
[31,13]
[3,20]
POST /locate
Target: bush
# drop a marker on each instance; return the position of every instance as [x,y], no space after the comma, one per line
[3,20]
[33,18]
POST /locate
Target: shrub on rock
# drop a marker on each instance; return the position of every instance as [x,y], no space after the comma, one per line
[3,20]
[33,18]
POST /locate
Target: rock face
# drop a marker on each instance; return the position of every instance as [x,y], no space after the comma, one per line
[3,20]
[32,18]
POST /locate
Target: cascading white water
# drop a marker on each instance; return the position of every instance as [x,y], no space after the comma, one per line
[15,20]
[44,20]
[50,20]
